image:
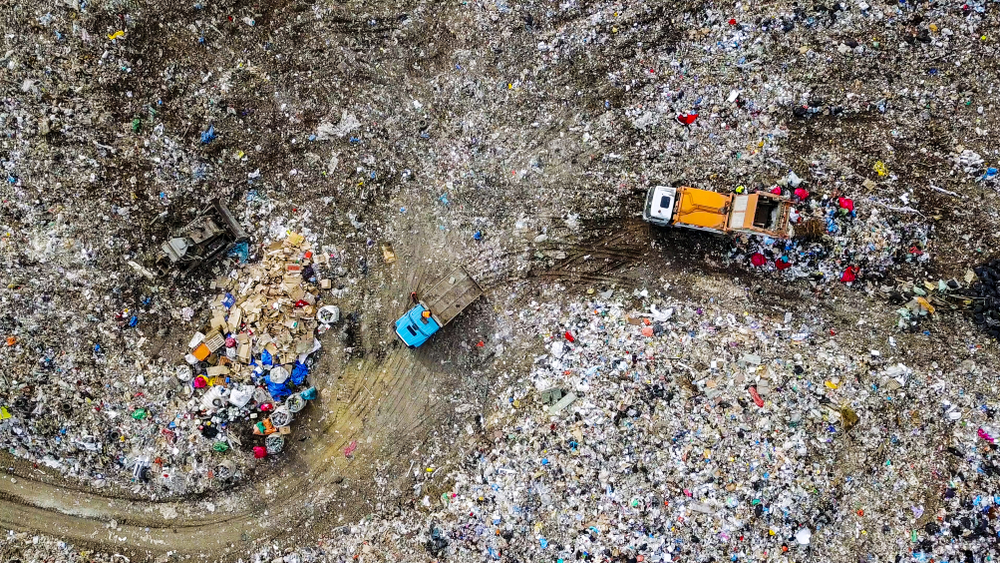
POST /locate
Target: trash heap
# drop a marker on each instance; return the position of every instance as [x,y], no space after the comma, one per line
[604,96]
[655,430]
[985,294]
[833,242]
[250,363]
[920,301]
[684,431]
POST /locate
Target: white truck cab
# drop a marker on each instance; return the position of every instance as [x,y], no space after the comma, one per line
[659,208]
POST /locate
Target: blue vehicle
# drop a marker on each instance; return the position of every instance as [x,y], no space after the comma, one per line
[448,297]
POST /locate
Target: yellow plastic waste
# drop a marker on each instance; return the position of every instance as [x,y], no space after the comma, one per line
[925,304]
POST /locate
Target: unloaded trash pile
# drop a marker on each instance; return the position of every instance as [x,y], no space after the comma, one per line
[835,241]
[184,426]
[250,364]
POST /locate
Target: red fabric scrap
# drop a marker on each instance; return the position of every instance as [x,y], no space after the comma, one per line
[850,274]
[687,118]
[845,203]
[758,259]
[801,193]
[259,452]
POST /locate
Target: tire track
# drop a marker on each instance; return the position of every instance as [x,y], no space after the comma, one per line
[607,254]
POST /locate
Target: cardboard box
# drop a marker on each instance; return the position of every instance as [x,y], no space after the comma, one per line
[243,353]
[218,320]
[235,319]
[215,341]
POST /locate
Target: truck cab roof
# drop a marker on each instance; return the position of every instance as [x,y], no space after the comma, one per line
[660,205]
[414,328]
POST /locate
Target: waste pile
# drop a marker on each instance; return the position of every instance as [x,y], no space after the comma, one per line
[835,242]
[685,430]
[659,430]
[180,428]
[251,361]
[24,547]
[919,302]
[985,294]
[469,132]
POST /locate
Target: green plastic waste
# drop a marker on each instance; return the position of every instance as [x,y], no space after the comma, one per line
[139,414]
[220,447]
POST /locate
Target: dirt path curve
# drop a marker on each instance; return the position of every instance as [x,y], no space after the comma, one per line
[375,405]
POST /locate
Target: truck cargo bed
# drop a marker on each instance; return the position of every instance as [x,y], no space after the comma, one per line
[450,295]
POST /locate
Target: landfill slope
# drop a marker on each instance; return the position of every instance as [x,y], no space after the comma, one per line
[400,140]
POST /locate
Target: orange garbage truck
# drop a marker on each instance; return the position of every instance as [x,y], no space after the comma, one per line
[762,214]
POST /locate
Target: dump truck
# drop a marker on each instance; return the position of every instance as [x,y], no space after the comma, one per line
[211,234]
[760,213]
[437,307]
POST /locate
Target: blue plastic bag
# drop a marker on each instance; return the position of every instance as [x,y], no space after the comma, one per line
[240,251]
[299,373]
[265,358]
[208,136]
[279,391]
